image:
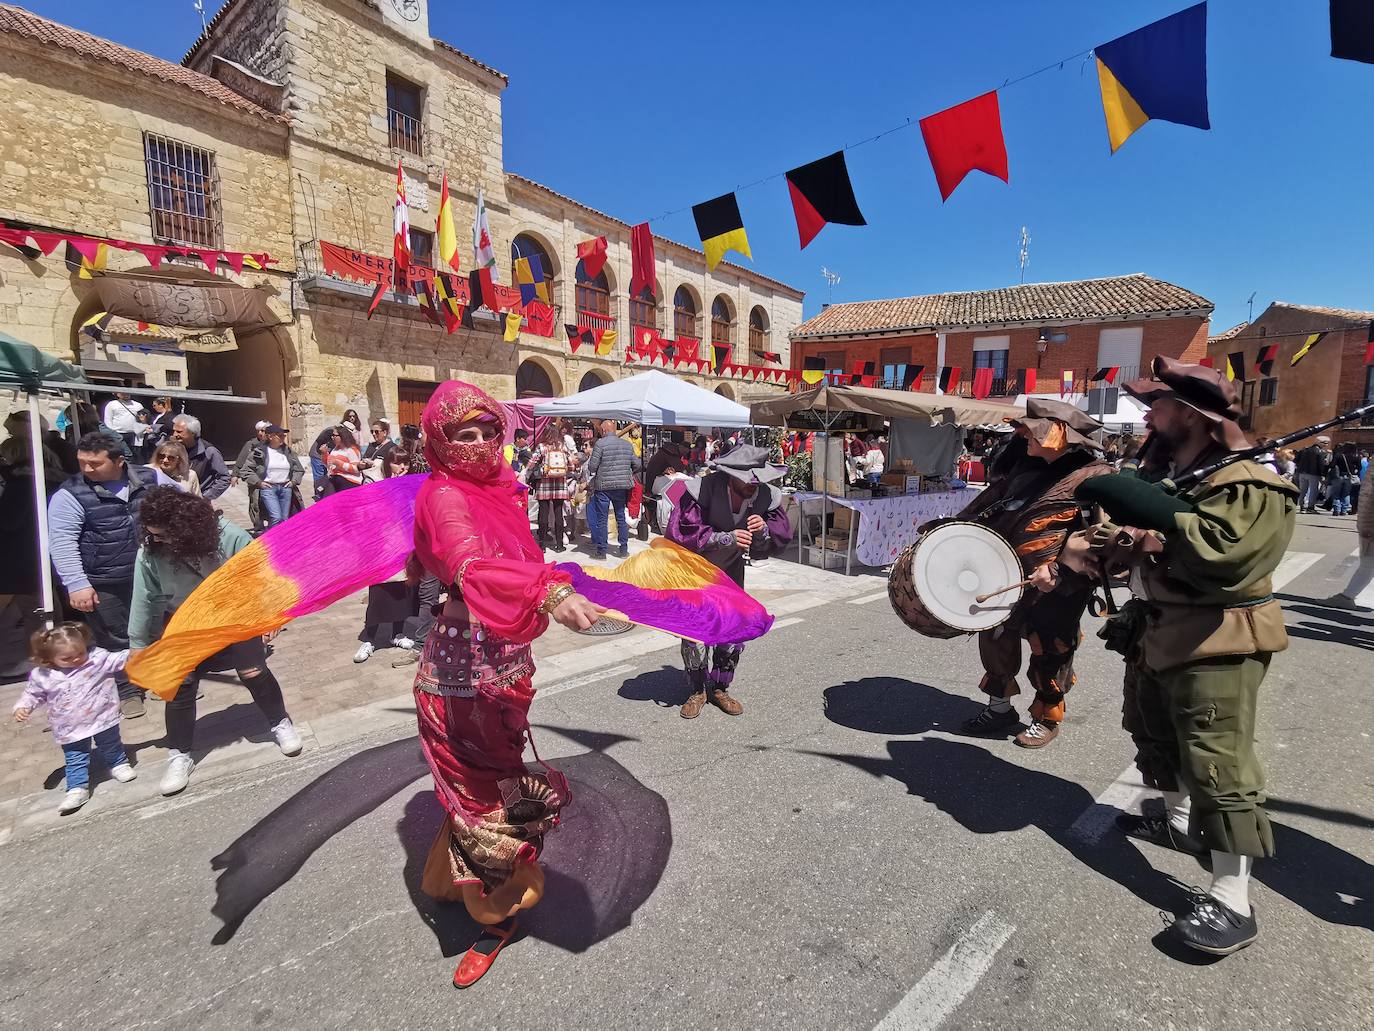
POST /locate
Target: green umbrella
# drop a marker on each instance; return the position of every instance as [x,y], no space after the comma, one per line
[26,366]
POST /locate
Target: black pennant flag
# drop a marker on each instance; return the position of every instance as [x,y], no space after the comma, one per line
[1235,366]
[1352,30]
[821,192]
[1264,362]
[813,370]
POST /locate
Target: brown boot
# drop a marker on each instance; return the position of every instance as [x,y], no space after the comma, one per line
[1038,734]
[696,701]
[721,699]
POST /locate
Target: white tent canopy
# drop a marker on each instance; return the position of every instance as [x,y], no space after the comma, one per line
[651,398]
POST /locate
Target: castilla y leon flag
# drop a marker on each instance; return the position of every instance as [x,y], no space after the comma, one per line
[821,192]
[1352,30]
[1235,366]
[1066,382]
[592,254]
[448,236]
[1158,71]
[721,229]
[963,138]
[641,260]
[1107,372]
[1264,361]
[1312,341]
[813,370]
[483,253]
[400,230]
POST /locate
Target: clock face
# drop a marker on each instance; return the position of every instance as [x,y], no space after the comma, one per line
[407,9]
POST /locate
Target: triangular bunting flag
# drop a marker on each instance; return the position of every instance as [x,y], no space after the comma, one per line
[1312,341]
[574,336]
[1159,71]
[963,138]
[821,192]
[720,228]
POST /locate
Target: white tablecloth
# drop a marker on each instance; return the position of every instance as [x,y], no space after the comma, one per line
[888,525]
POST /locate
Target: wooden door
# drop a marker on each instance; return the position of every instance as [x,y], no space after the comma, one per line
[411,399]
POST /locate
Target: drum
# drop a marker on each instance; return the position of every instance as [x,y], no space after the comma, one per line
[934,585]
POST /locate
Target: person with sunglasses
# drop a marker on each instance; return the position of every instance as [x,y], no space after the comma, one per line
[373,462]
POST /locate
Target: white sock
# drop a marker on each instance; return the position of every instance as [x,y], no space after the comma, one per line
[1231,880]
[1000,705]
[1178,804]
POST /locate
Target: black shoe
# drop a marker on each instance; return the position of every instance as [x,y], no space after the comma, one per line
[1214,927]
[990,722]
[1157,830]
[624,552]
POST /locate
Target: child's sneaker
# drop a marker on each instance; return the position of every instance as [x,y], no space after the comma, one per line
[76,798]
[123,773]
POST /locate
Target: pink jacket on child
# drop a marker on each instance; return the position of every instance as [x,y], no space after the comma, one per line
[81,702]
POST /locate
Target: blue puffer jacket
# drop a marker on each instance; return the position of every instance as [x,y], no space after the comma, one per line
[110,534]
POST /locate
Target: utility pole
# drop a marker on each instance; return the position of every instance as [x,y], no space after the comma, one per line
[832,278]
[1024,253]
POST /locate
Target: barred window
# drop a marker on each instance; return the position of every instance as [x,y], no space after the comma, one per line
[183,193]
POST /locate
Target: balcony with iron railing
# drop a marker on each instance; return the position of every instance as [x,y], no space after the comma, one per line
[405,132]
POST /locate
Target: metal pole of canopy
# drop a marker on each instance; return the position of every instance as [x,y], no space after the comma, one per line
[40,507]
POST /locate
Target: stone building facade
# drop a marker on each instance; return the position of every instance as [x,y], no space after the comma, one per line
[307,107]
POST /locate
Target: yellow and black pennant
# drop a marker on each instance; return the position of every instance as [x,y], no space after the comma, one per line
[1235,366]
[721,229]
[1312,341]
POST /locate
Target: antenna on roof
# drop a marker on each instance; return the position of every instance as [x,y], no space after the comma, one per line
[1023,254]
[199,5]
[832,278]
[1250,304]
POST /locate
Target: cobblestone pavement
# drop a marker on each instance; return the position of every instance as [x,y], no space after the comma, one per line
[327,694]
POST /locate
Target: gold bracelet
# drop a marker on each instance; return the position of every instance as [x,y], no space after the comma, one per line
[558,594]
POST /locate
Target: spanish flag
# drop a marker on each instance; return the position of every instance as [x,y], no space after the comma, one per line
[721,229]
[1235,366]
[1312,341]
[448,236]
[1159,71]
[813,370]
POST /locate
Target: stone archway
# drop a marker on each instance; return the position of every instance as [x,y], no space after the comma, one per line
[725,390]
[535,377]
[594,378]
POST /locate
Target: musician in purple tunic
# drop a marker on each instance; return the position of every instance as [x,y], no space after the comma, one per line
[725,515]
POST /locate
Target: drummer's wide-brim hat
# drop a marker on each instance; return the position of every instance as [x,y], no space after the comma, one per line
[749,464]
[1043,412]
[1205,390]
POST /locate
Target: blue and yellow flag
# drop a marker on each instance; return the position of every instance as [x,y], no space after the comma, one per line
[1159,71]
[529,276]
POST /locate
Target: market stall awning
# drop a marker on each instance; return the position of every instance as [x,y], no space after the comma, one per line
[177,295]
[651,398]
[886,404]
[24,365]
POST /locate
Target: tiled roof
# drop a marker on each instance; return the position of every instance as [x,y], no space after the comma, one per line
[471,60]
[19,22]
[1136,294]
[521,180]
[1348,314]
[1228,334]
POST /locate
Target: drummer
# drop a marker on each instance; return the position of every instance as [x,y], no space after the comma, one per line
[1031,503]
[731,512]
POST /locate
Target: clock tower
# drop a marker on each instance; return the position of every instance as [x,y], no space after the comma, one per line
[408,16]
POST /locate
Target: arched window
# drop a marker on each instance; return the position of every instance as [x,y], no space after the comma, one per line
[591,380]
[722,330]
[758,330]
[644,309]
[532,381]
[528,247]
[593,294]
[684,314]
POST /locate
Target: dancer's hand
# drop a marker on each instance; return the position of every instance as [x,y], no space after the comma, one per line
[755,524]
[743,538]
[577,613]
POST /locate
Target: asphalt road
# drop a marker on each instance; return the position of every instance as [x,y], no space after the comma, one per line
[837,857]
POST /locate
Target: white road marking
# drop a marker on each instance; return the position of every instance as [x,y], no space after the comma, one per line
[1292,566]
[790,621]
[949,982]
[1122,796]
[582,681]
[868,599]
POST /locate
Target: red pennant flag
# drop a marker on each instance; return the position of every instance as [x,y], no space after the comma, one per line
[85,246]
[1027,383]
[1205,362]
[982,383]
[154,254]
[592,254]
[1107,373]
[1264,361]
[211,259]
[821,192]
[382,286]
[949,379]
[235,260]
[641,260]
[47,242]
[963,138]
[574,336]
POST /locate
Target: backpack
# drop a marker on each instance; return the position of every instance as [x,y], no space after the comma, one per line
[556,464]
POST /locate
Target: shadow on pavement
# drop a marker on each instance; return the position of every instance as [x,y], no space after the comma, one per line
[1341,626]
[1319,812]
[274,849]
[890,705]
[665,686]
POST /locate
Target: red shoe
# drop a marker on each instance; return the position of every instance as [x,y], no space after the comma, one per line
[478,959]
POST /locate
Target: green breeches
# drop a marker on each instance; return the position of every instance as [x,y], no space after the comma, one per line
[1194,729]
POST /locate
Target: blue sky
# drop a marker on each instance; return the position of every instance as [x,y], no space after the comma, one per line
[638,109]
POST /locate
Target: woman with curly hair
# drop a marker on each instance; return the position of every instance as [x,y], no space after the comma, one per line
[184,541]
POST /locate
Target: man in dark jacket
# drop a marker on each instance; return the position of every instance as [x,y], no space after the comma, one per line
[205,458]
[1312,464]
[729,513]
[610,476]
[241,463]
[93,525]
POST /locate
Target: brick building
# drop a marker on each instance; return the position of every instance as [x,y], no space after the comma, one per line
[1331,378]
[1051,328]
[280,132]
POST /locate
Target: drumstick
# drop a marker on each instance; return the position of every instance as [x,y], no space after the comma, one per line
[1001,590]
